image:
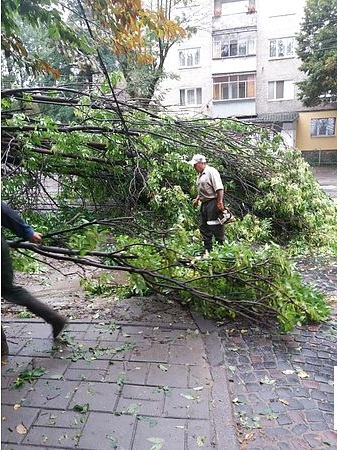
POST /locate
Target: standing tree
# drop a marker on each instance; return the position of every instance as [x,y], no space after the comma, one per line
[141,45]
[317,49]
[38,14]
[123,29]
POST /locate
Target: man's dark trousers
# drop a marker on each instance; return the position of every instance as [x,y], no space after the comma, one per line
[209,211]
[17,294]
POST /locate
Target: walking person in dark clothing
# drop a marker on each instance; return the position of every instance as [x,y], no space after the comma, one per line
[16,294]
[210,194]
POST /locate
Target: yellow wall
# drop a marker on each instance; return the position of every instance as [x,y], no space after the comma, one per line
[303,139]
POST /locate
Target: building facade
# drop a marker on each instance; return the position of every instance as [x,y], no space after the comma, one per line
[242,63]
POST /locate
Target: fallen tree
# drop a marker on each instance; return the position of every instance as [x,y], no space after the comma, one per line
[257,284]
[115,159]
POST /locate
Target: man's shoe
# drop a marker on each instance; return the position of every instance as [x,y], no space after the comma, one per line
[4,348]
[4,345]
[58,326]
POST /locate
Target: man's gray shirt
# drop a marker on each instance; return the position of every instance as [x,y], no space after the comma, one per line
[209,181]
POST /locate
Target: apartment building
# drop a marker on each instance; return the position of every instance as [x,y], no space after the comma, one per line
[242,63]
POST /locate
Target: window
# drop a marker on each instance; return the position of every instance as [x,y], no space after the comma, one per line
[238,7]
[281,48]
[281,90]
[234,44]
[323,127]
[189,57]
[190,97]
[230,87]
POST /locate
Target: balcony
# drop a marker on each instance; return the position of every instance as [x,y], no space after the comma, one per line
[234,14]
[234,108]
[234,21]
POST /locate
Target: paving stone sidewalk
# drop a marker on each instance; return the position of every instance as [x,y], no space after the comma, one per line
[113,386]
[282,386]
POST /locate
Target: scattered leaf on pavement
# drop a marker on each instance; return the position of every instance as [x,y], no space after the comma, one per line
[83,409]
[27,376]
[57,376]
[158,443]
[302,374]
[288,372]
[266,380]
[236,401]
[201,441]
[162,367]
[189,397]
[21,429]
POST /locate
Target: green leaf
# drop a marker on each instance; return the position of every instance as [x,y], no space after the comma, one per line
[266,380]
[27,376]
[158,443]
[162,367]
[83,409]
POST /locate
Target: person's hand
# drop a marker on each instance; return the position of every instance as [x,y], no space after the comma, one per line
[196,202]
[220,206]
[36,238]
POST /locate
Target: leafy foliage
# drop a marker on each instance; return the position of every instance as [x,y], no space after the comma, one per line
[85,43]
[143,77]
[25,262]
[38,14]
[27,376]
[127,29]
[317,49]
[102,285]
[235,279]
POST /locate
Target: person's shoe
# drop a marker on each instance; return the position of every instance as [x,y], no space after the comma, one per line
[4,348]
[4,345]
[58,326]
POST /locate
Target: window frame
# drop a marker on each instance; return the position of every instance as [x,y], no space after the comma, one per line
[317,119]
[234,85]
[277,42]
[286,84]
[225,44]
[184,52]
[197,95]
[248,7]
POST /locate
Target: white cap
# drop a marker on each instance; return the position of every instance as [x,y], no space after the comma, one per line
[197,159]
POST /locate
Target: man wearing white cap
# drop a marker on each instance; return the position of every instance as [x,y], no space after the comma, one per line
[210,194]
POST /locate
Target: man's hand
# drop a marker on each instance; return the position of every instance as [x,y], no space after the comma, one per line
[36,238]
[220,206]
[196,202]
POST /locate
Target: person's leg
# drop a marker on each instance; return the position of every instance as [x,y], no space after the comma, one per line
[218,231]
[20,296]
[205,231]
[4,345]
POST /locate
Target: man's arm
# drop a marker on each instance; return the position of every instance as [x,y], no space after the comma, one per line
[219,199]
[196,201]
[218,188]
[10,219]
